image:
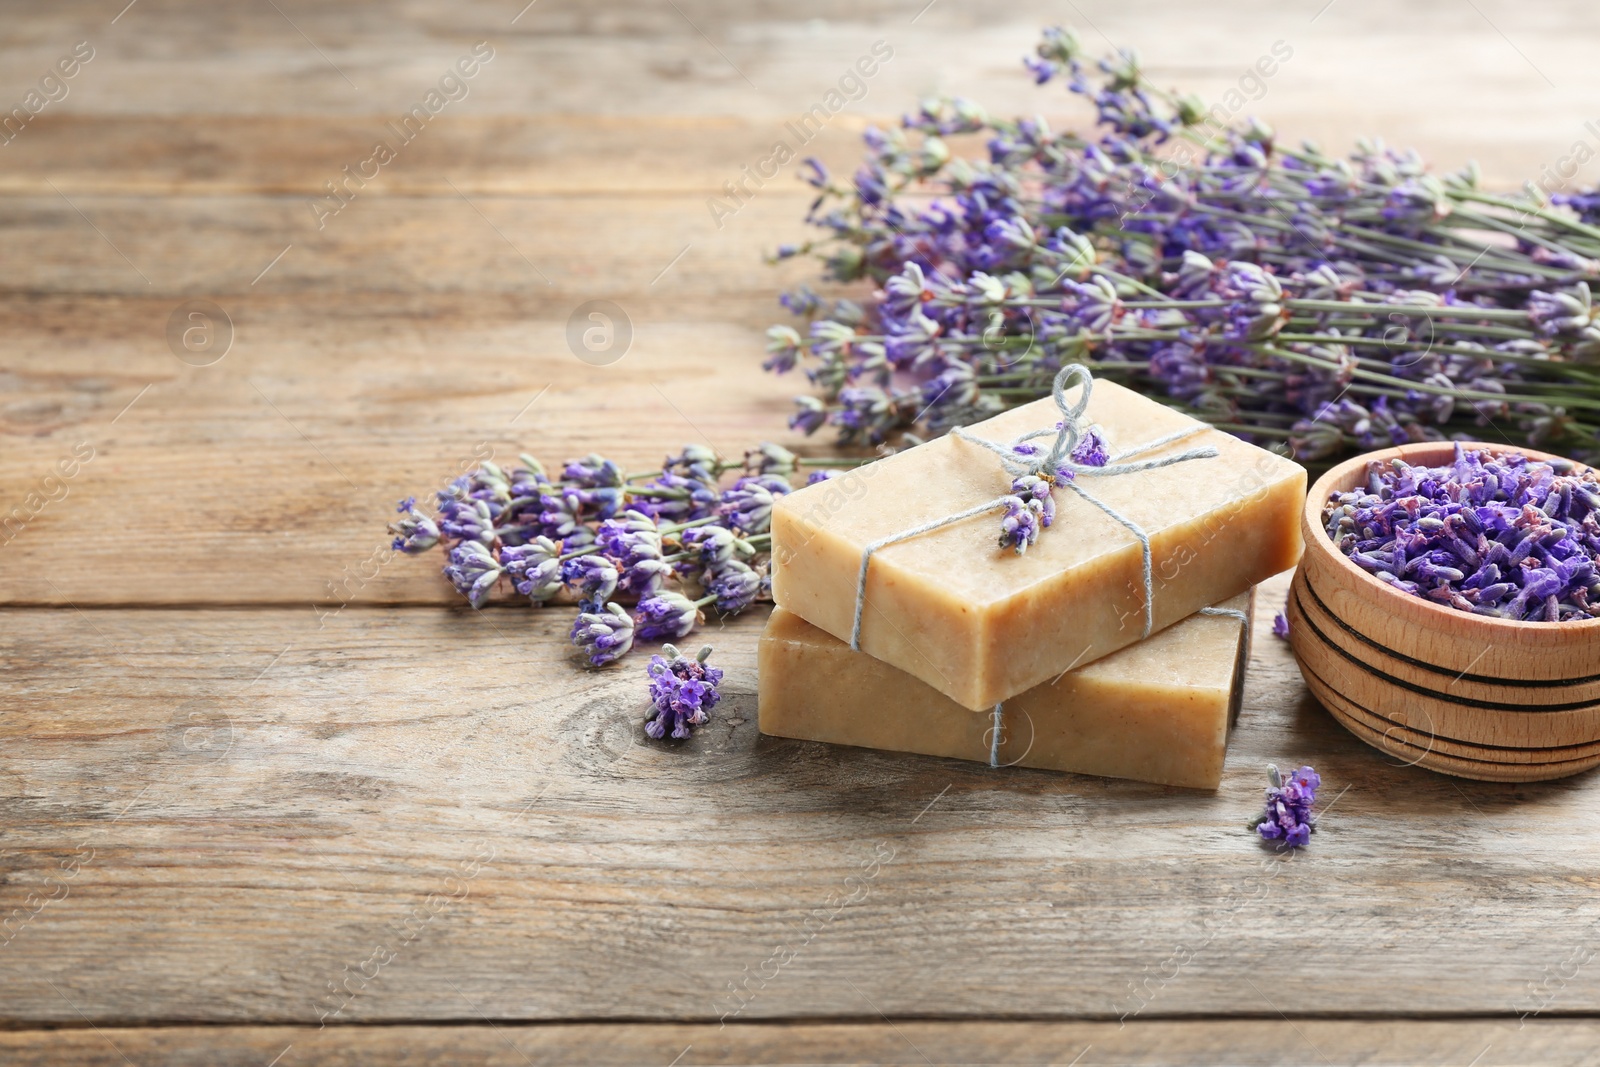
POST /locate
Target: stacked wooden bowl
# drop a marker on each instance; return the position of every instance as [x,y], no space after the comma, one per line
[1463,694]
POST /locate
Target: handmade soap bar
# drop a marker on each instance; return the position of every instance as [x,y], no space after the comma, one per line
[1158,711]
[980,623]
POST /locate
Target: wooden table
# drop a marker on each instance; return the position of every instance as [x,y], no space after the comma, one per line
[256,775]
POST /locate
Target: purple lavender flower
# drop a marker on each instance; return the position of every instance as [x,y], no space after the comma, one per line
[674,497]
[594,577]
[604,636]
[715,544]
[1280,625]
[1498,535]
[810,416]
[473,571]
[1030,508]
[534,568]
[464,518]
[682,691]
[768,458]
[822,475]
[747,504]
[1091,450]
[666,617]
[592,472]
[416,532]
[783,349]
[1287,817]
[735,585]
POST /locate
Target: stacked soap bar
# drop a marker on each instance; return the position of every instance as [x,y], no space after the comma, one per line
[1157,711]
[981,624]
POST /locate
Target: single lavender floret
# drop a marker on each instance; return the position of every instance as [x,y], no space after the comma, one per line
[682,691]
[595,578]
[1287,817]
[534,568]
[416,532]
[747,504]
[666,617]
[1280,625]
[605,635]
[736,586]
[715,545]
[473,571]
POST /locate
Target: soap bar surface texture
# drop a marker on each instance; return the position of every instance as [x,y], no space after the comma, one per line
[1157,711]
[980,623]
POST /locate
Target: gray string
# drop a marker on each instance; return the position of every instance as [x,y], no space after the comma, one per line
[994,744]
[1058,458]
[1232,613]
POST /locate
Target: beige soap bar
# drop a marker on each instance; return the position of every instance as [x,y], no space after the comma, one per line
[980,623]
[1158,711]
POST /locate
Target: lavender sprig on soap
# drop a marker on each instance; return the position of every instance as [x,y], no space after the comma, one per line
[1499,535]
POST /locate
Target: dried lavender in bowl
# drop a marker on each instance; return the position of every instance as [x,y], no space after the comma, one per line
[1494,534]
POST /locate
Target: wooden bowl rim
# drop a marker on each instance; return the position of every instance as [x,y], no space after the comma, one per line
[1431,454]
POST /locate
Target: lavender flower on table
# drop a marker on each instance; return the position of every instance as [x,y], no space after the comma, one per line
[594,577]
[736,586]
[1280,625]
[666,616]
[605,635]
[682,691]
[715,545]
[416,532]
[747,504]
[473,571]
[534,568]
[1287,817]
[1503,536]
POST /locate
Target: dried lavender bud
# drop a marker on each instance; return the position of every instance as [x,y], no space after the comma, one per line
[715,544]
[473,571]
[682,691]
[1287,817]
[735,585]
[666,617]
[534,568]
[747,504]
[769,458]
[1280,625]
[603,636]
[594,577]
[416,532]
[1498,535]
[592,472]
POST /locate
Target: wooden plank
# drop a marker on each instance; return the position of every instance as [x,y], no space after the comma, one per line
[1402,71]
[236,811]
[1221,1042]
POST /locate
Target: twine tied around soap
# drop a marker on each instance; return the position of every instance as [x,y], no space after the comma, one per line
[1054,468]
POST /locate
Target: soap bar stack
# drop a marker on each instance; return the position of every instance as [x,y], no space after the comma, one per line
[1099,663]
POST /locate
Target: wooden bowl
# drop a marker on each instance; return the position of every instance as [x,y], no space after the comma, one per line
[1463,694]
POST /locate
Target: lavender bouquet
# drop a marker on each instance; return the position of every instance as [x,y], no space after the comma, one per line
[1308,302]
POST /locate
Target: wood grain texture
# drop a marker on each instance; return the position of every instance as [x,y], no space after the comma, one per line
[235,808]
[222,791]
[1223,1043]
